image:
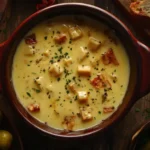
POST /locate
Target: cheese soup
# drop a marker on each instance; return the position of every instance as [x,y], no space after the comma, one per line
[70,72]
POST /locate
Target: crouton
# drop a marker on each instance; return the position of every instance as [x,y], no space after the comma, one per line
[84,70]
[56,69]
[93,44]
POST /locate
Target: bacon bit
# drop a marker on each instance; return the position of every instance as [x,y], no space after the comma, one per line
[34,107]
[30,39]
[109,57]
[61,38]
[97,82]
[69,122]
[108,109]
[44,4]
[100,81]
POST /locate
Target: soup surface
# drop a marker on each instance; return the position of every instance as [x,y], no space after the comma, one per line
[70,72]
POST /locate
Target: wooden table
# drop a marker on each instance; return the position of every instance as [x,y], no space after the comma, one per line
[118,137]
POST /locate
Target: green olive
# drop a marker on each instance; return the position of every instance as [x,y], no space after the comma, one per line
[5,140]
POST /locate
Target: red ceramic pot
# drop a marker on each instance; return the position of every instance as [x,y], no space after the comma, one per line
[138,53]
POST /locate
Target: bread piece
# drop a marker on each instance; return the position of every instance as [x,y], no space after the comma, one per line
[141,7]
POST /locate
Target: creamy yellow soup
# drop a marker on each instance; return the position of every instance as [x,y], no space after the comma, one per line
[70,72]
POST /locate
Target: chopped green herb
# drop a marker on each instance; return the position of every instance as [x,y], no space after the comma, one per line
[66,54]
[102,69]
[99,112]
[58,79]
[146,113]
[67,73]
[58,32]
[33,73]
[51,61]
[137,110]
[68,81]
[56,57]
[36,90]
[45,37]
[67,92]
[75,97]
[28,94]
[60,50]
[70,41]
[74,78]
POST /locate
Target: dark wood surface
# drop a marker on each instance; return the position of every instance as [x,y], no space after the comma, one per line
[116,138]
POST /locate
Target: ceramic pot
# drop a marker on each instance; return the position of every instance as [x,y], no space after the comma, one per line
[138,54]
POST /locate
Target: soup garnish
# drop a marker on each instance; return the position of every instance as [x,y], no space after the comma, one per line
[70,72]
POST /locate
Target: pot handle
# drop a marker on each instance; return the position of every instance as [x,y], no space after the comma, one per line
[145,68]
[2,48]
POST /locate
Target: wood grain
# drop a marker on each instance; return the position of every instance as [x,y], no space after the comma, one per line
[114,139]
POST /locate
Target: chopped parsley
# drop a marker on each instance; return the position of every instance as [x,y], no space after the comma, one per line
[146,113]
[137,110]
[99,112]
[60,50]
[76,97]
[51,61]
[36,90]
[28,94]
[70,41]
[58,79]
[45,37]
